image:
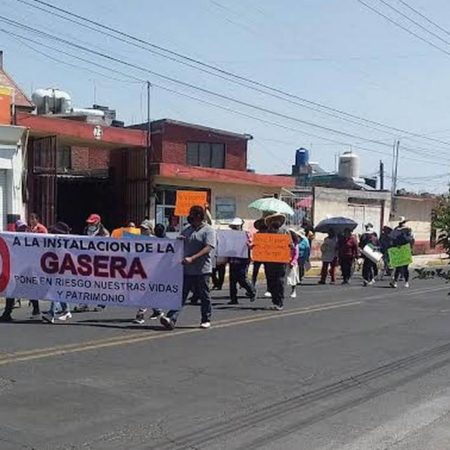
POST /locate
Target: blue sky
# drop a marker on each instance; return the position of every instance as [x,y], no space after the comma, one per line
[335,52]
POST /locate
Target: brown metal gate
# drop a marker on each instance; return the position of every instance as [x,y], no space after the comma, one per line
[130,180]
[42,178]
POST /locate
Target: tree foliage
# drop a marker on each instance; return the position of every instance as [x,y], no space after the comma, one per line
[441,222]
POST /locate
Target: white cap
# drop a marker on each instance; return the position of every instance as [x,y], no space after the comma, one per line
[236,222]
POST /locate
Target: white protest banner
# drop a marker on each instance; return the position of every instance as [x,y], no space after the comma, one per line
[76,269]
[232,244]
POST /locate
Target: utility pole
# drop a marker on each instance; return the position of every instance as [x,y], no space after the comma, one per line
[396,151]
[381,175]
[150,204]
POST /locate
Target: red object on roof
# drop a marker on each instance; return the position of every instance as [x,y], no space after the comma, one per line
[305,202]
[82,132]
[19,97]
[223,175]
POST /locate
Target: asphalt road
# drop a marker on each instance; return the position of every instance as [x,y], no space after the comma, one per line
[346,368]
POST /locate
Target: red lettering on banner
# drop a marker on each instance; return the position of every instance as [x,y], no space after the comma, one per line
[49,263]
[6,265]
[102,266]
[136,269]
[118,264]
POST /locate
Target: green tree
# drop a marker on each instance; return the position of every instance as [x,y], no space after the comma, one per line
[440,222]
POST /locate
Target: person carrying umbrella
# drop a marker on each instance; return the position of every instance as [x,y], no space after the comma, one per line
[329,250]
[348,252]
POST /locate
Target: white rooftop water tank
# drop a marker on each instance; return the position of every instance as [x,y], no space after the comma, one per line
[52,101]
[348,165]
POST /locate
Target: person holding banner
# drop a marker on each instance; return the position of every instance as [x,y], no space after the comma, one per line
[20,227]
[36,227]
[238,271]
[49,317]
[275,271]
[402,235]
[199,242]
[160,232]
[94,227]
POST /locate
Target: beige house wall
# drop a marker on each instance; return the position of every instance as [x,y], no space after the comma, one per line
[362,206]
[418,213]
[243,194]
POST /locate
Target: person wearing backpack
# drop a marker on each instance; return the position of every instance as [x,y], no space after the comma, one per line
[402,235]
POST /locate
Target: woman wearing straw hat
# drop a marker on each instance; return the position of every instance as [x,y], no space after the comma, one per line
[276,272]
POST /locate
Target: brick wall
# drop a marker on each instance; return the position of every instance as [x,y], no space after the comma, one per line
[85,158]
[99,158]
[171,145]
[80,158]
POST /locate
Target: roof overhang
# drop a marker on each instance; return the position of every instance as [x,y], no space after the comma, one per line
[222,176]
[73,132]
[10,134]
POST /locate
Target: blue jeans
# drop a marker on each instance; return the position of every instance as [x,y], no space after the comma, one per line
[64,306]
[199,285]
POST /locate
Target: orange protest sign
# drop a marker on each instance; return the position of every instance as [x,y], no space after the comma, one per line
[186,199]
[268,247]
[5,105]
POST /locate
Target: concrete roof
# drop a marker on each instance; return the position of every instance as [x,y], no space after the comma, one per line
[158,124]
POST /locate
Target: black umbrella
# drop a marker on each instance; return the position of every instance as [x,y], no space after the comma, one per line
[337,224]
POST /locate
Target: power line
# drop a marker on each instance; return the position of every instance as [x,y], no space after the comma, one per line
[207,91]
[185,84]
[397,24]
[176,56]
[425,17]
[415,22]
[183,94]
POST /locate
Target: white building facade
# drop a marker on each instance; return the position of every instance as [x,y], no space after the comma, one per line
[12,205]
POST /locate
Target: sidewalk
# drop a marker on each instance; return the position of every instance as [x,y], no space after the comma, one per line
[418,261]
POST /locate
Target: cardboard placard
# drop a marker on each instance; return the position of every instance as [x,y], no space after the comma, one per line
[232,244]
[269,247]
[400,256]
[187,199]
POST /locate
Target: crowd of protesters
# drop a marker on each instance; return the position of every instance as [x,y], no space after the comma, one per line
[342,249]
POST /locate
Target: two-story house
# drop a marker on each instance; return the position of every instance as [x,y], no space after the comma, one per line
[194,157]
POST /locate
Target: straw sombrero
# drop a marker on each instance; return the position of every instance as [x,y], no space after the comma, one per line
[277,216]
